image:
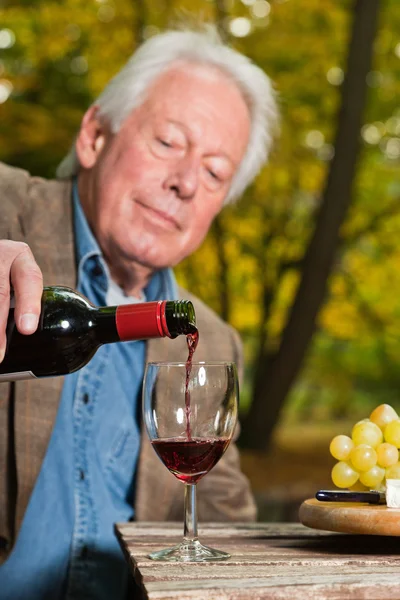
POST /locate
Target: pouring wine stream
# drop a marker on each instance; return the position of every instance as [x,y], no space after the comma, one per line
[192,339]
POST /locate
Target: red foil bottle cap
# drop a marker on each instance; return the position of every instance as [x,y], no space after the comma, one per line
[141,321]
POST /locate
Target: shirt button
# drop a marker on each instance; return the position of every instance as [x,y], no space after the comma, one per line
[81,475]
[85,398]
[97,271]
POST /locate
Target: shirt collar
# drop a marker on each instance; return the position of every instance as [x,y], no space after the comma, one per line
[85,242]
[162,286]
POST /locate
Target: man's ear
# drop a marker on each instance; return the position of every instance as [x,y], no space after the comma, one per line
[90,139]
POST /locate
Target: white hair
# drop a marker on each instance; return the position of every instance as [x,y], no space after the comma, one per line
[127,90]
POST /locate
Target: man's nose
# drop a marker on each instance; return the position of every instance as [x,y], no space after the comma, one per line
[183,179]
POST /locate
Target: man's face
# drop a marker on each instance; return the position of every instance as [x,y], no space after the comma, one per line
[156,185]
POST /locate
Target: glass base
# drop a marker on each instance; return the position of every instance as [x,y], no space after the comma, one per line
[189,552]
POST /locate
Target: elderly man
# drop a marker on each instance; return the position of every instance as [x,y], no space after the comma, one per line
[182,129]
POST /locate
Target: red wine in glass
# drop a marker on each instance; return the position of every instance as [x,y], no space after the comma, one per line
[189,460]
[192,340]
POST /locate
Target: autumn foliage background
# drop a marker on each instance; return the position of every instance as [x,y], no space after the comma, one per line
[303,382]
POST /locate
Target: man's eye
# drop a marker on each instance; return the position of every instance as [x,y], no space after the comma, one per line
[213,175]
[164,143]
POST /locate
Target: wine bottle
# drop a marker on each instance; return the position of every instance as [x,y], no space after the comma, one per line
[71,329]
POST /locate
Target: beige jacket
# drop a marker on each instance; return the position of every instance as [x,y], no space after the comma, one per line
[38,212]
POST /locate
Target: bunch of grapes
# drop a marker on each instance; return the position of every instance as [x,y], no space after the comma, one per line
[371,454]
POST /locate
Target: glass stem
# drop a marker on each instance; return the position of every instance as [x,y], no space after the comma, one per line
[190,524]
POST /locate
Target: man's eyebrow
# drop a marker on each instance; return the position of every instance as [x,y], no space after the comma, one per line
[178,123]
[222,154]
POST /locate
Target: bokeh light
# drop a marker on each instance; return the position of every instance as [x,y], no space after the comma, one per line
[260,9]
[391,148]
[6,88]
[240,27]
[392,126]
[326,152]
[7,38]
[335,76]
[79,65]
[314,139]
[106,13]
[372,133]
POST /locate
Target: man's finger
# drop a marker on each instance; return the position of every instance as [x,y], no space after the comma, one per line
[27,281]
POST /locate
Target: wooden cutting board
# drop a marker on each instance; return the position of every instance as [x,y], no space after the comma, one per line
[350,517]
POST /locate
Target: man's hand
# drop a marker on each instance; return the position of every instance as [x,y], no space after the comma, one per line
[19,268]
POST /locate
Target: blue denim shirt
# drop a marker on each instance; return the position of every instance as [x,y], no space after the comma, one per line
[66,548]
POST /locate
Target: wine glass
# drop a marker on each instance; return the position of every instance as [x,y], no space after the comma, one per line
[190,413]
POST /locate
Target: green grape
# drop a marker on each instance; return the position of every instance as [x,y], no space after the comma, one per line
[387,454]
[392,433]
[366,432]
[363,457]
[358,487]
[383,414]
[344,475]
[393,472]
[373,477]
[341,446]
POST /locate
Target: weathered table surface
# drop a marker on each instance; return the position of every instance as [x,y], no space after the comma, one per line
[275,561]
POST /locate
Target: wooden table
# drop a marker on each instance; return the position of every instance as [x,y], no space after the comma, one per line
[276,561]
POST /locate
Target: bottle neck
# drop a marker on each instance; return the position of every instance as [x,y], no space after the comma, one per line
[126,322]
[145,320]
[105,324]
[180,317]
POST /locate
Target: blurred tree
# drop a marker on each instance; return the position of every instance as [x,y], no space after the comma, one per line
[276,371]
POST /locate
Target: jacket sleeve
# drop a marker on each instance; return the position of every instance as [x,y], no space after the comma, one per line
[12,184]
